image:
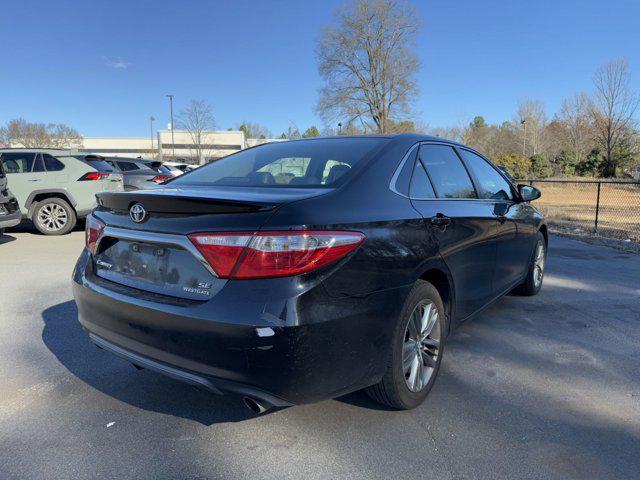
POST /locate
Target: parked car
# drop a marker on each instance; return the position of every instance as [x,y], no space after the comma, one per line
[172,169]
[181,166]
[139,173]
[54,188]
[350,275]
[10,215]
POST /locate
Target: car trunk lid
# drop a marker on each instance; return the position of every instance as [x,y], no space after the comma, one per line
[169,200]
[153,253]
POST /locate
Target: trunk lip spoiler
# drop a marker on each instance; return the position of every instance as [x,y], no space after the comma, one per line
[180,241]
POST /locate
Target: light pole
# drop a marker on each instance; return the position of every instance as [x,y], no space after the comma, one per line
[151,119]
[523,122]
[173,143]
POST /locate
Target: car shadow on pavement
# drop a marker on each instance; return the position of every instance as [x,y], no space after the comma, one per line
[26,226]
[67,340]
[6,238]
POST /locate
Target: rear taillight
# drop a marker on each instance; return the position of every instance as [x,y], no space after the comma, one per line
[160,178]
[273,254]
[93,176]
[93,230]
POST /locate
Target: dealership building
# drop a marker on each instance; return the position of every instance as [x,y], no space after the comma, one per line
[169,146]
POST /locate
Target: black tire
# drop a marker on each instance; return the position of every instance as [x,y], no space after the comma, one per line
[46,224]
[531,286]
[1,232]
[393,389]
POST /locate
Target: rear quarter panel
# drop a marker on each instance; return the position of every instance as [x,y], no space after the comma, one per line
[85,192]
[397,248]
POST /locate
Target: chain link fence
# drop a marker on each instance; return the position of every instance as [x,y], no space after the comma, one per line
[608,208]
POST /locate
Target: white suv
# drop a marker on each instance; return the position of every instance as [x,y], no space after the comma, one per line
[54,188]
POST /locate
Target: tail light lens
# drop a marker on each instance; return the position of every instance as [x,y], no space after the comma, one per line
[273,254]
[93,176]
[93,230]
[160,178]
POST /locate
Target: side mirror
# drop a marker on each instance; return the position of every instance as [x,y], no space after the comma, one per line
[529,193]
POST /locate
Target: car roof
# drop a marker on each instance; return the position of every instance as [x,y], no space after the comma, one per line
[53,151]
[408,137]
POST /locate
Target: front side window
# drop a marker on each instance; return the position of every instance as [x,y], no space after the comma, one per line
[492,184]
[15,162]
[302,163]
[448,175]
[52,164]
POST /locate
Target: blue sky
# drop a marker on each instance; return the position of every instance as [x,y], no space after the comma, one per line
[104,67]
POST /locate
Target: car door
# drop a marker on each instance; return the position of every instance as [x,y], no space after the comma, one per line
[38,176]
[56,171]
[513,249]
[463,226]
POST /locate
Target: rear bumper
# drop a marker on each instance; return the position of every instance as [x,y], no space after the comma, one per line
[14,217]
[250,338]
[214,385]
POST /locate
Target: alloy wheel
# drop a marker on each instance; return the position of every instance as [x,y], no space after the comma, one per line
[53,217]
[538,264]
[421,347]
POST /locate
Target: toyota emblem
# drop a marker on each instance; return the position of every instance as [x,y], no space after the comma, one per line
[137,213]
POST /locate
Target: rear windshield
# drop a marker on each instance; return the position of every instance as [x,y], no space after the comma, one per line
[302,163]
[163,170]
[101,165]
[96,162]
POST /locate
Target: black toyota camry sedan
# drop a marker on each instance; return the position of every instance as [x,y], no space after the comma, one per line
[299,271]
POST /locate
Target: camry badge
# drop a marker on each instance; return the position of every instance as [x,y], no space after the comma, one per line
[137,213]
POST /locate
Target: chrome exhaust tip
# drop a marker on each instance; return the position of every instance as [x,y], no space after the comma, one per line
[256,406]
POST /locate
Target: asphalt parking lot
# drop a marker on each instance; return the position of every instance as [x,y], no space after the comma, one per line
[541,387]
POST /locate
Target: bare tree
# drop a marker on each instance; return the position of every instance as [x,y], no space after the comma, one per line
[63,136]
[532,117]
[575,115]
[367,64]
[448,133]
[613,108]
[255,130]
[197,118]
[19,132]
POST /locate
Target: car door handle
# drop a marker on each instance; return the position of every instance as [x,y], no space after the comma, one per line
[34,179]
[440,220]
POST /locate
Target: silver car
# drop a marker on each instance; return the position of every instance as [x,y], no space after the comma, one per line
[138,173]
[54,188]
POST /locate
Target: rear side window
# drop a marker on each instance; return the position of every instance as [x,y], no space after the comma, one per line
[492,184]
[15,162]
[448,175]
[421,188]
[38,166]
[301,163]
[52,164]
